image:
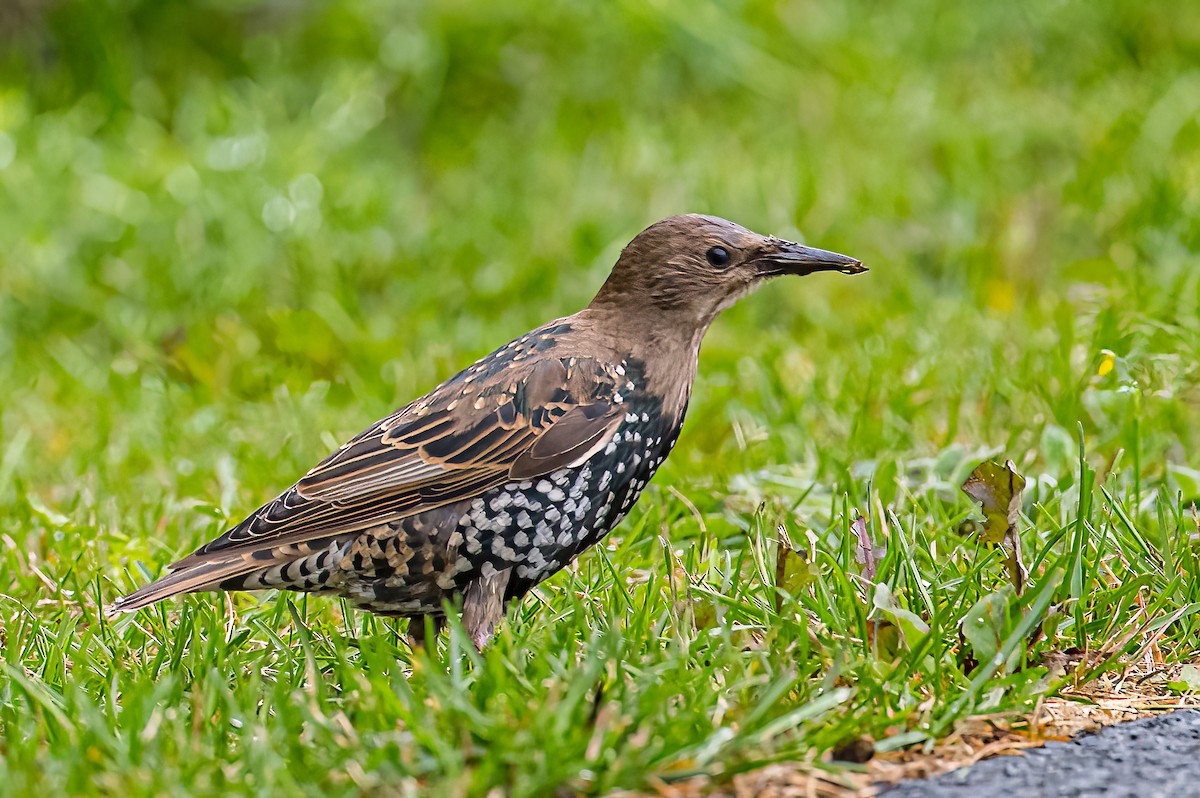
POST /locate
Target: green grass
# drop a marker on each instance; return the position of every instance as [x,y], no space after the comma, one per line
[231,235]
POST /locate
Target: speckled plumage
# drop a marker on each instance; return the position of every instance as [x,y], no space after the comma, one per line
[503,474]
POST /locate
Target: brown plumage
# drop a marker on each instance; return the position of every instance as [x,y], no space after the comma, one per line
[508,470]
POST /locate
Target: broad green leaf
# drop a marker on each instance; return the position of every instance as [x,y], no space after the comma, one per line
[912,627]
[989,622]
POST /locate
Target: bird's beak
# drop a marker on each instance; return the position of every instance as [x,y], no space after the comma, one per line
[784,257]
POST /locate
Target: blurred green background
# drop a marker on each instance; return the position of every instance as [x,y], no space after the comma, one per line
[212,210]
[232,233]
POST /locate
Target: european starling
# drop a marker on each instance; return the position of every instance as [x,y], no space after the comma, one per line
[504,473]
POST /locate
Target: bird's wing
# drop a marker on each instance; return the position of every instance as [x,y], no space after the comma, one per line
[491,424]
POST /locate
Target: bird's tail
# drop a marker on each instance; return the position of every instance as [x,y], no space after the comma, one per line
[303,565]
[216,574]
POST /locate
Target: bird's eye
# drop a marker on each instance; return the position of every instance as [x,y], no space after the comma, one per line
[718,256]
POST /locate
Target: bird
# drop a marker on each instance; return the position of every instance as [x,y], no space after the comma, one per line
[471,495]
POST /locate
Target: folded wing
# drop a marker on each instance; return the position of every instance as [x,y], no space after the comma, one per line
[491,424]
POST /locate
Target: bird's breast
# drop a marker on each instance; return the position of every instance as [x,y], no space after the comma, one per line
[537,526]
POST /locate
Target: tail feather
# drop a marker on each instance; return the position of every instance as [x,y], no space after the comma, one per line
[195,578]
[294,566]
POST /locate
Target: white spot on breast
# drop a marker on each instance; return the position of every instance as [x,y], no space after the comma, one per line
[473,544]
[501,550]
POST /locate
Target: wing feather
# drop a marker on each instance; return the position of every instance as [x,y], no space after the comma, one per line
[491,424]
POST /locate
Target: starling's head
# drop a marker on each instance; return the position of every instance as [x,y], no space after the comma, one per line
[689,268]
